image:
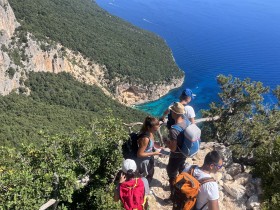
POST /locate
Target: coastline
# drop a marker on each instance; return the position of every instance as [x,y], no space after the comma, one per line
[133,95]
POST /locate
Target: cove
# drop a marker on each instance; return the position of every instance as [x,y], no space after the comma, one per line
[208,38]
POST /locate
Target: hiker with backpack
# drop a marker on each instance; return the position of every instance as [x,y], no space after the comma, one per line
[185,98]
[132,191]
[180,144]
[194,188]
[146,148]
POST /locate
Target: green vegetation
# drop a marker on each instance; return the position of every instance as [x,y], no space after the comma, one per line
[128,52]
[32,175]
[50,153]
[11,72]
[57,104]
[251,128]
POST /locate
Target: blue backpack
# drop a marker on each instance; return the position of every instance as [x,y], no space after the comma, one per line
[191,141]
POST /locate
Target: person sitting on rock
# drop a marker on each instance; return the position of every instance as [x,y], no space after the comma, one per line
[208,195]
[146,150]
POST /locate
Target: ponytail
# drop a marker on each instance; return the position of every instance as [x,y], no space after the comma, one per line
[149,123]
[130,175]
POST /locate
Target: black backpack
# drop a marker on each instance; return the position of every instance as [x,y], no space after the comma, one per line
[170,120]
[130,146]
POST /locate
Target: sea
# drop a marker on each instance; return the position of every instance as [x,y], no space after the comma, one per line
[207,38]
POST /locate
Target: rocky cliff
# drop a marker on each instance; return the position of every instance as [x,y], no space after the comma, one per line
[21,52]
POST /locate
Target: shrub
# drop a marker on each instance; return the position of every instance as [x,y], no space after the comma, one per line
[32,175]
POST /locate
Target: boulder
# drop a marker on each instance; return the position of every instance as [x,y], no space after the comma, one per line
[250,189]
[227,177]
[234,169]
[253,203]
[243,178]
[234,189]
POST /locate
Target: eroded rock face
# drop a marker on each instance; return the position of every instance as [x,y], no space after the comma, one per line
[8,21]
[132,94]
[56,59]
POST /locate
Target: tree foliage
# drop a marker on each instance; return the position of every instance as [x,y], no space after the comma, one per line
[128,52]
[251,128]
[31,175]
[268,167]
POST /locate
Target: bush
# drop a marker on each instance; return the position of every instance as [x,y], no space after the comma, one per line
[268,168]
[11,72]
[32,175]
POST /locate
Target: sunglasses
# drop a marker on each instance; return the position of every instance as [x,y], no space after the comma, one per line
[218,166]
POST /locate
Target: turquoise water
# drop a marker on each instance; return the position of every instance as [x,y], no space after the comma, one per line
[207,38]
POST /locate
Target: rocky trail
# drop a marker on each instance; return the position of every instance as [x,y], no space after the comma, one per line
[238,190]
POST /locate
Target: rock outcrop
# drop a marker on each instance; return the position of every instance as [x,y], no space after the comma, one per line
[18,57]
[8,21]
[132,94]
[238,191]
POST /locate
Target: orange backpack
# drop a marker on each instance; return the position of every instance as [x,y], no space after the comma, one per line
[186,189]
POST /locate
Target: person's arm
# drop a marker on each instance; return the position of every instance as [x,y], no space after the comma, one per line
[172,142]
[172,145]
[190,114]
[117,194]
[213,205]
[143,143]
[192,120]
[117,190]
[164,114]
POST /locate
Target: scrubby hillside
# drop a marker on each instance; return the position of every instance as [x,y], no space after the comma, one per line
[58,104]
[132,57]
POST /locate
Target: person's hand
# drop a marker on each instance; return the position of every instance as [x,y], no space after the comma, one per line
[157,152]
[122,178]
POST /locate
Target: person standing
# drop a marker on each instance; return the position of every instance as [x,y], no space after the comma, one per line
[185,99]
[174,143]
[146,150]
[208,195]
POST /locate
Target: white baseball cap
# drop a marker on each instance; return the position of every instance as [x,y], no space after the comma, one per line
[128,164]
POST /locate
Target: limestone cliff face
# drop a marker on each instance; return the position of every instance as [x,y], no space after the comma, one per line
[41,56]
[8,21]
[132,94]
[60,59]
[53,58]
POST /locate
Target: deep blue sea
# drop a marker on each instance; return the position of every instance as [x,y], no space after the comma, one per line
[208,38]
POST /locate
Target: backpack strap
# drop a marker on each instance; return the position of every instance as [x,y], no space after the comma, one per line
[191,170]
[203,181]
[177,127]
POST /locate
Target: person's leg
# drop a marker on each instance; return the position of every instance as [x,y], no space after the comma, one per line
[151,170]
[174,166]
